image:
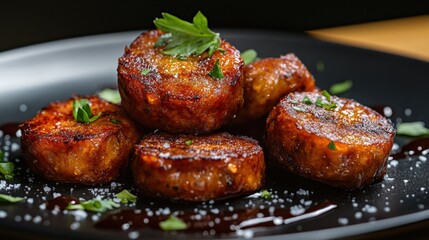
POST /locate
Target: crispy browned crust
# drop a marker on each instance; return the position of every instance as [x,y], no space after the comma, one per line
[179,96]
[214,166]
[58,148]
[268,80]
[297,137]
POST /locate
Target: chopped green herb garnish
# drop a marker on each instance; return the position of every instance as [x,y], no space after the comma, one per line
[173,223]
[125,196]
[319,102]
[82,111]
[249,56]
[320,66]
[216,71]
[329,106]
[298,109]
[145,71]
[221,50]
[183,38]
[110,95]
[7,169]
[115,121]
[307,100]
[412,129]
[94,205]
[341,87]
[326,95]
[189,142]
[10,199]
[332,146]
[265,194]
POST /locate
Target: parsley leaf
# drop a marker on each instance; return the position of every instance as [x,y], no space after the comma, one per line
[82,111]
[265,194]
[10,199]
[249,56]
[332,146]
[189,142]
[326,95]
[94,205]
[173,223]
[145,71]
[110,95]
[412,129]
[341,87]
[6,168]
[216,71]
[125,196]
[183,39]
[307,100]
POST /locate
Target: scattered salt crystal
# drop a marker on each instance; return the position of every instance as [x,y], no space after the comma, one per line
[74,225]
[55,194]
[27,217]
[297,210]
[37,219]
[406,181]
[79,215]
[387,209]
[3,214]
[30,200]
[22,107]
[95,217]
[125,226]
[133,235]
[302,192]
[423,158]
[358,215]
[343,221]
[394,163]
[14,147]
[18,218]
[46,189]
[421,206]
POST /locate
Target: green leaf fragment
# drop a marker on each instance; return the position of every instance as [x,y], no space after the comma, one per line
[249,56]
[94,205]
[341,87]
[307,100]
[326,95]
[125,197]
[82,111]
[412,129]
[216,71]
[265,194]
[332,146]
[7,169]
[183,39]
[110,95]
[145,71]
[173,223]
[10,199]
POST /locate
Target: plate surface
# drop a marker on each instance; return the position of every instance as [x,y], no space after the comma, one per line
[32,77]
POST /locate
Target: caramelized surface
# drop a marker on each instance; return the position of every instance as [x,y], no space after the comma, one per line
[61,149]
[268,80]
[298,135]
[214,166]
[179,95]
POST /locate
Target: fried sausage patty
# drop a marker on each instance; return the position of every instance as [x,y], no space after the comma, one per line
[339,142]
[268,80]
[59,148]
[198,168]
[179,95]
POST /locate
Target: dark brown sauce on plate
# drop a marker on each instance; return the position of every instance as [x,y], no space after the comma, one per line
[10,128]
[61,202]
[214,220]
[415,147]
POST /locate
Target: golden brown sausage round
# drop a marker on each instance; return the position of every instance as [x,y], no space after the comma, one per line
[338,142]
[198,168]
[268,80]
[59,148]
[179,95]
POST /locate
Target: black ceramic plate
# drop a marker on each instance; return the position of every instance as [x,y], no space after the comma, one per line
[32,77]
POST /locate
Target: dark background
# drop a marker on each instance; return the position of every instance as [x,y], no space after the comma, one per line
[29,22]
